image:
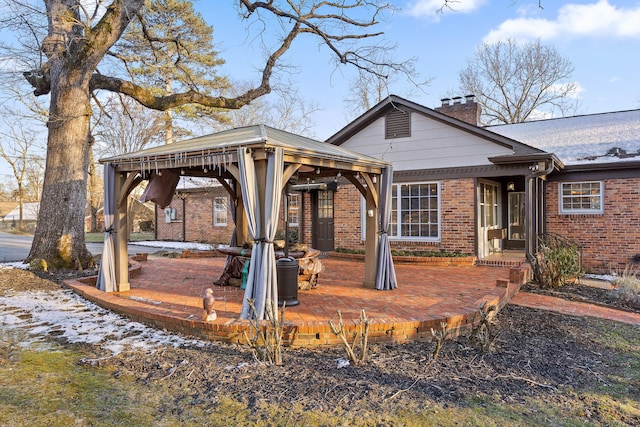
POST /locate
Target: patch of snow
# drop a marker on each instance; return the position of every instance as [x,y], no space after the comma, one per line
[342,363]
[174,245]
[606,277]
[145,300]
[63,314]
[16,264]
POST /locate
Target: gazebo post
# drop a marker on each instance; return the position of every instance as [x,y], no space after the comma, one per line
[242,229]
[121,229]
[371,243]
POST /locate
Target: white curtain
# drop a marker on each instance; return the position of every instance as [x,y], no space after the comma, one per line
[385,271]
[262,284]
[106,276]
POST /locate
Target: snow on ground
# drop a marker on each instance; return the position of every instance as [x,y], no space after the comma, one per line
[63,314]
[16,264]
[175,245]
[604,277]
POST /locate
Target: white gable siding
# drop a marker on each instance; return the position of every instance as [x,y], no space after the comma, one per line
[432,144]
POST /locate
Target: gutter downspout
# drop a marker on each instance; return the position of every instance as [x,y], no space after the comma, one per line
[533,210]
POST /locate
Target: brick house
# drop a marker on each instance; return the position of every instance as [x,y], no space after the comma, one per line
[462,188]
[595,199]
[199,212]
[459,187]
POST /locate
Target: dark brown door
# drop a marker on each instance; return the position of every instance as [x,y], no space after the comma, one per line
[323,221]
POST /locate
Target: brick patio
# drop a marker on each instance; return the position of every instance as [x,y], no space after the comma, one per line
[167,293]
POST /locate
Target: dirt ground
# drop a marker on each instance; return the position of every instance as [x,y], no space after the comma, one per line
[538,354]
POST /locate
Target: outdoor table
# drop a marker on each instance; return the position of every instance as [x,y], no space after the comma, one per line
[308,261]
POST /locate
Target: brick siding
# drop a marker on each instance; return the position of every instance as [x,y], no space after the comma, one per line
[198,227]
[609,240]
[468,111]
[457,204]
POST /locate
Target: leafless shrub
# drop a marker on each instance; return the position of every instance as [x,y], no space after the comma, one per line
[265,338]
[440,335]
[483,333]
[359,338]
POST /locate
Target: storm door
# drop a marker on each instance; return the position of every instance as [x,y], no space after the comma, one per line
[488,219]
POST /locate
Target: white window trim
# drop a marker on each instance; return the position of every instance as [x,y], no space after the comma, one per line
[564,211]
[363,219]
[215,211]
[297,208]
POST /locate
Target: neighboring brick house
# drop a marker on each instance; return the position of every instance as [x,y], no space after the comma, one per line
[199,212]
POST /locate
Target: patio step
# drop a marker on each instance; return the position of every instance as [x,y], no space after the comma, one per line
[507,262]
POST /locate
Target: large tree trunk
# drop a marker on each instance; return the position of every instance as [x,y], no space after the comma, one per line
[59,237]
[73,53]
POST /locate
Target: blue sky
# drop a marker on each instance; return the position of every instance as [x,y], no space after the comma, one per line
[600,37]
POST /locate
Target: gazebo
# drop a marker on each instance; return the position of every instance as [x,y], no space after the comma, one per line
[254,164]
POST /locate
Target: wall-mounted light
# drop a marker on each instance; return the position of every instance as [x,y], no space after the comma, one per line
[181,171]
[317,171]
[374,179]
[511,186]
[370,213]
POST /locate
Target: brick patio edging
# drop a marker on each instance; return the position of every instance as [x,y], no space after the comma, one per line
[466,261]
[304,334]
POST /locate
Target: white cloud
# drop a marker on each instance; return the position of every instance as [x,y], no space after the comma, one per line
[431,9]
[599,19]
[561,88]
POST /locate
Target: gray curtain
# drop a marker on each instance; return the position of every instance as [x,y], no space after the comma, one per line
[262,284]
[385,271]
[234,235]
[106,276]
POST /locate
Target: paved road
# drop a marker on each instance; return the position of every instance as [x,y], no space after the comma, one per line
[16,248]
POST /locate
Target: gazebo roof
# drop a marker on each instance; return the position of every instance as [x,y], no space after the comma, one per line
[211,147]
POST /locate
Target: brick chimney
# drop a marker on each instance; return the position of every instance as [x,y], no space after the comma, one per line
[467,111]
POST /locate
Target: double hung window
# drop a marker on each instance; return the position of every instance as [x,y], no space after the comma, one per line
[581,197]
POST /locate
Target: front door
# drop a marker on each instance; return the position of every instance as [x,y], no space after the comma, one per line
[323,221]
[488,218]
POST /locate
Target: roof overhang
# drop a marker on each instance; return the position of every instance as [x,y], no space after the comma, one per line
[211,155]
[528,158]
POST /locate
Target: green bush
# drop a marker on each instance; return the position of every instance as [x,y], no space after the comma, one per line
[557,262]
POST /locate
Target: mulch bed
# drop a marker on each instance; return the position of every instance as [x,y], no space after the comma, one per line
[537,354]
[588,294]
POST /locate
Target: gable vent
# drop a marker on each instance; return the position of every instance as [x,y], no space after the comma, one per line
[397,124]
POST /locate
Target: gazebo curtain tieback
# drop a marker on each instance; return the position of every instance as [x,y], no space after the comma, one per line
[262,240]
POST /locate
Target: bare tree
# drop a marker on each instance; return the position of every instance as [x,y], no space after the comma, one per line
[17,150]
[125,127]
[286,109]
[77,39]
[366,89]
[516,82]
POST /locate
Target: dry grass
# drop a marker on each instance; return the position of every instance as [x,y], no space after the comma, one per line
[627,283]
